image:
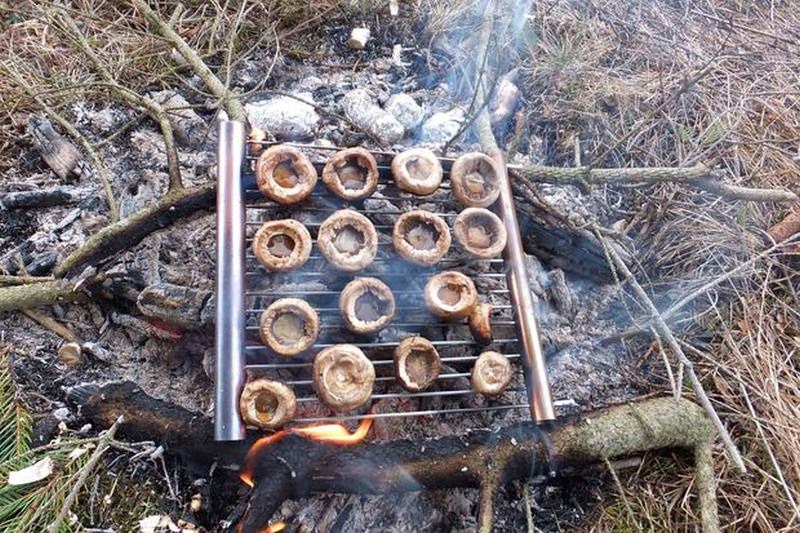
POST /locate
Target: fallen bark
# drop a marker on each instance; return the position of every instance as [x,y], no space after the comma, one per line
[41,198]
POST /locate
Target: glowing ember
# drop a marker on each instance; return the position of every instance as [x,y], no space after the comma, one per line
[274,528]
[330,433]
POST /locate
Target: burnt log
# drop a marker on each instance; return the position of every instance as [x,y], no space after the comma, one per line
[41,198]
[294,466]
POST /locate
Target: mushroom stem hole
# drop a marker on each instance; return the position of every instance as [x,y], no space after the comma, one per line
[281,245]
[449,294]
[352,174]
[420,365]
[285,174]
[422,235]
[288,328]
[370,307]
[349,240]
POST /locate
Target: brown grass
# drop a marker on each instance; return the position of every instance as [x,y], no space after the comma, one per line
[613,74]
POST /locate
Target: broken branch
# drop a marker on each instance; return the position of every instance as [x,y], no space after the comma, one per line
[228,100]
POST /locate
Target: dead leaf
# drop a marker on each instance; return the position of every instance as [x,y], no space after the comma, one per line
[36,472]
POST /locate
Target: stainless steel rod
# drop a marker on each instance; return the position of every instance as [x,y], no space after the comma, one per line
[541,403]
[230,315]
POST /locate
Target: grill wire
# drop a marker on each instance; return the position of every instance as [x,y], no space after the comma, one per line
[453,340]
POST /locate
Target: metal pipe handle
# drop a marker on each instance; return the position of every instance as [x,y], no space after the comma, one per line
[230,308]
[533,360]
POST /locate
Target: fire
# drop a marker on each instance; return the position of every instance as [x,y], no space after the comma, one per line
[274,528]
[336,433]
[330,433]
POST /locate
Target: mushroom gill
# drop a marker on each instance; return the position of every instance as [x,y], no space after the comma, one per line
[367,305]
[282,245]
[285,175]
[343,377]
[348,240]
[451,295]
[421,237]
[289,326]
[480,232]
[491,373]
[351,174]
[475,180]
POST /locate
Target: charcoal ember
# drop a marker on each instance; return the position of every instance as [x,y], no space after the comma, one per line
[182,306]
[405,110]
[359,107]
[285,117]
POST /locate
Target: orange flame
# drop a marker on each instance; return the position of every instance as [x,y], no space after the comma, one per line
[274,528]
[332,433]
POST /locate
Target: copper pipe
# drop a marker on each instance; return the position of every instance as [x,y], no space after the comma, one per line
[541,404]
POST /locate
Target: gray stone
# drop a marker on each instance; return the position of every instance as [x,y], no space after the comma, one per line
[405,110]
[441,127]
[285,117]
[359,107]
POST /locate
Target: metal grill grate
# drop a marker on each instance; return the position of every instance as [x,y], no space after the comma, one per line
[412,317]
[238,345]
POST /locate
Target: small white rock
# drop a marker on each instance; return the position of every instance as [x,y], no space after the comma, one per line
[285,117]
[441,127]
[405,110]
[358,38]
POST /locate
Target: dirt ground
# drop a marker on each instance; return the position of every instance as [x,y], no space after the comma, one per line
[606,84]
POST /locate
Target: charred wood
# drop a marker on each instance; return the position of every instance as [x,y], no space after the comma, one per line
[41,198]
[59,154]
[294,466]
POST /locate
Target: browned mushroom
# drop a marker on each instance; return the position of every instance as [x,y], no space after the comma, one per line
[351,174]
[285,175]
[491,373]
[289,326]
[416,363]
[343,377]
[421,237]
[281,245]
[348,240]
[451,295]
[475,180]
[480,232]
[417,171]
[367,305]
[267,404]
[480,323]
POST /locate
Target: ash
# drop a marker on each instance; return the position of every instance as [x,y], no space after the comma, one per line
[152,321]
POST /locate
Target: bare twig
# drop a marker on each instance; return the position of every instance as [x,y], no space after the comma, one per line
[228,100]
[102,445]
[666,333]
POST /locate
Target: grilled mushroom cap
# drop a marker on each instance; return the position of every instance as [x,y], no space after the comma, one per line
[480,232]
[348,240]
[417,171]
[267,404]
[343,377]
[289,326]
[421,237]
[351,174]
[491,373]
[480,323]
[285,175]
[451,295]
[475,180]
[367,305]
[282,245]
[416,363]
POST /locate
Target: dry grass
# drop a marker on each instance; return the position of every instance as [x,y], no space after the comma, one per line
[613,74]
